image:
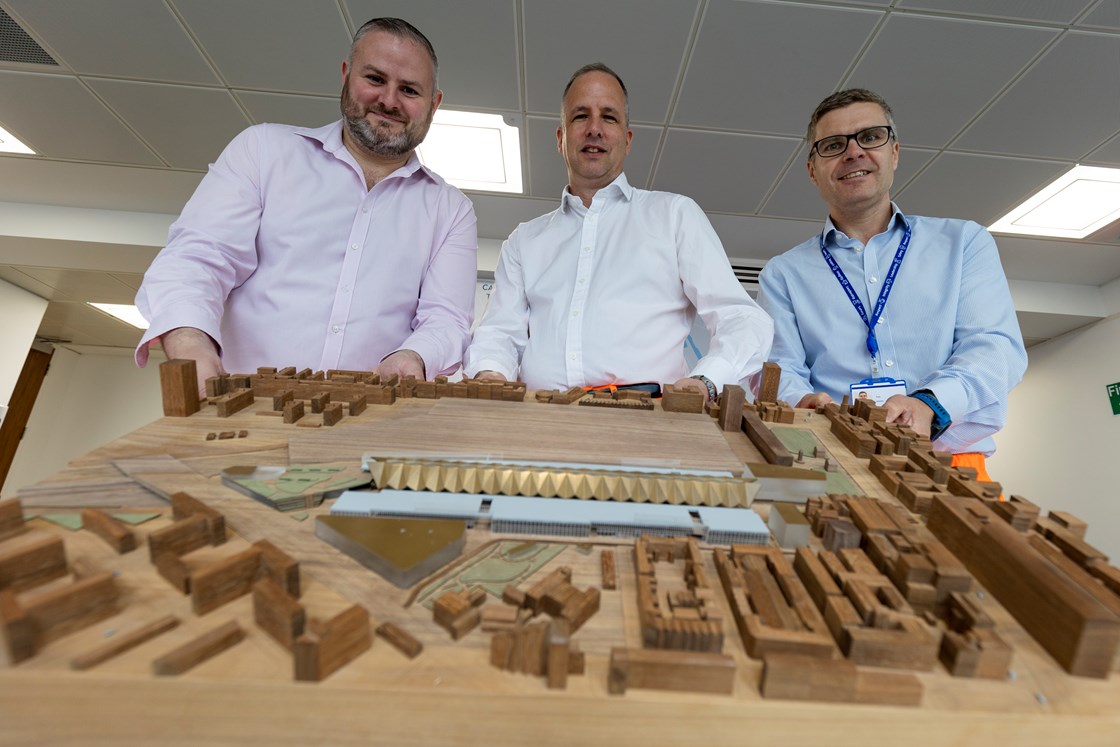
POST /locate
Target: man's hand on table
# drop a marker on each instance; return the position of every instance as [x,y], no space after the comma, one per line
[815,400]
[694,384]
[911,412]
[193,344]
[403,363]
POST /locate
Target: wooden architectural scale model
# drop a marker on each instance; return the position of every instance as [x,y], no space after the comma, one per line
[890,591]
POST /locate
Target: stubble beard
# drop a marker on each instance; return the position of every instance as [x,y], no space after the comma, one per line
[377,139]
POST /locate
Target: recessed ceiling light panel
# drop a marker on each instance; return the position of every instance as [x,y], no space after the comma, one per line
[1076,204]
[474,151]
[10,144]
[124,312]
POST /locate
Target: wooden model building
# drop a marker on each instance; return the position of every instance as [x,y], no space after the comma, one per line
[685,619]
[544,647]
[1074,616]
[1049,586]
[771,606]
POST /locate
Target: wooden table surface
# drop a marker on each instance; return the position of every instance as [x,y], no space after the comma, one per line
[450,694]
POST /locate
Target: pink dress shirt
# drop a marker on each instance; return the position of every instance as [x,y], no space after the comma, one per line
[284,258]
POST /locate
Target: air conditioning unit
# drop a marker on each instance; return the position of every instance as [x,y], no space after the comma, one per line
[746,271]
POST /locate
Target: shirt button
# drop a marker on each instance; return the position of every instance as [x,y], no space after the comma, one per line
[572,357]
[859,247]
[881,320]
[365,210]
[353,246]
[336,329]
[873,280]
[889,362]
[575,313]
[582,281]
[586,248]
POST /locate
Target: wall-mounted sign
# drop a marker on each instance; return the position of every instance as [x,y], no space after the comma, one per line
[1114,397]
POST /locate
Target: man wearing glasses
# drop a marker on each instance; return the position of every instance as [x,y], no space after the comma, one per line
[913,312]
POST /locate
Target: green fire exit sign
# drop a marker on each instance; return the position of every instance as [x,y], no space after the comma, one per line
[1114,397]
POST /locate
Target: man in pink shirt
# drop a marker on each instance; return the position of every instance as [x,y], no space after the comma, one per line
[325,248]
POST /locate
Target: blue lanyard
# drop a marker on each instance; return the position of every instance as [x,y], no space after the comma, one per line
[888,283]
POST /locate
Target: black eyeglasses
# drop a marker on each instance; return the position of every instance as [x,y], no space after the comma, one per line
[835,145]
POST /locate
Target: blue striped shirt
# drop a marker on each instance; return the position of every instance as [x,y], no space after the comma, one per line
[949,324]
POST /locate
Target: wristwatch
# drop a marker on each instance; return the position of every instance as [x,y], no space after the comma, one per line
[941,420]
[712,394]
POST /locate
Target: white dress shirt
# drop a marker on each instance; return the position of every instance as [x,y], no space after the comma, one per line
[608,294]
[285,258]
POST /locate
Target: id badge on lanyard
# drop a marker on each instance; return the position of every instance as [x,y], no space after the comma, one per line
[877,390]
[880,304]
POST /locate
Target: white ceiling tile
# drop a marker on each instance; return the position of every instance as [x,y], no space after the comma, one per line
[56,116]
[32,180]
[1105,15]
[1058,261]
[737,169]
[762,67]
[498,215]
[475,42]
[797,197]
[971,62]
[279,45]
[67,255]
[132,280]
[286,108]
[129,38]
[1043,325]
[14,276]
[562,37]
[187,126]
[1062,108]
[761,239]
[83,285]
[979,188]
[1055,11]
[1106,155]
[547,173]
[81,323]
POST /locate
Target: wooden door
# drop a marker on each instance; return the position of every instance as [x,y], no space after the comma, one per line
[19,409]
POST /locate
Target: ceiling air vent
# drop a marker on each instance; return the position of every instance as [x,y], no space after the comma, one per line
[17,46]
[746,271]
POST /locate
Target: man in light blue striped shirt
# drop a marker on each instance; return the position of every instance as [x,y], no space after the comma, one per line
[945,323]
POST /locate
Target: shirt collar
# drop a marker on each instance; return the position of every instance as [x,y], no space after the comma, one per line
[619,189]
[834,236]
[330,136]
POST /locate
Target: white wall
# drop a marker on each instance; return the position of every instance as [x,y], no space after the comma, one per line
[86,401]
[1061,444]
[22,314]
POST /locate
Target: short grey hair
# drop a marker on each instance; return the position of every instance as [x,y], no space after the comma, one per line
[839,100]
[404,30]
[598,67]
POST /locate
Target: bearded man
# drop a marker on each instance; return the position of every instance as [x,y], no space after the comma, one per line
[325,248]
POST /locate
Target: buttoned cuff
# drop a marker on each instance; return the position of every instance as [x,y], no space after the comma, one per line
[180,316]
[717,369]
[488,364]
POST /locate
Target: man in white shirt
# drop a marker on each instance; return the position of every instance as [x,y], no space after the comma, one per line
[604,290]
